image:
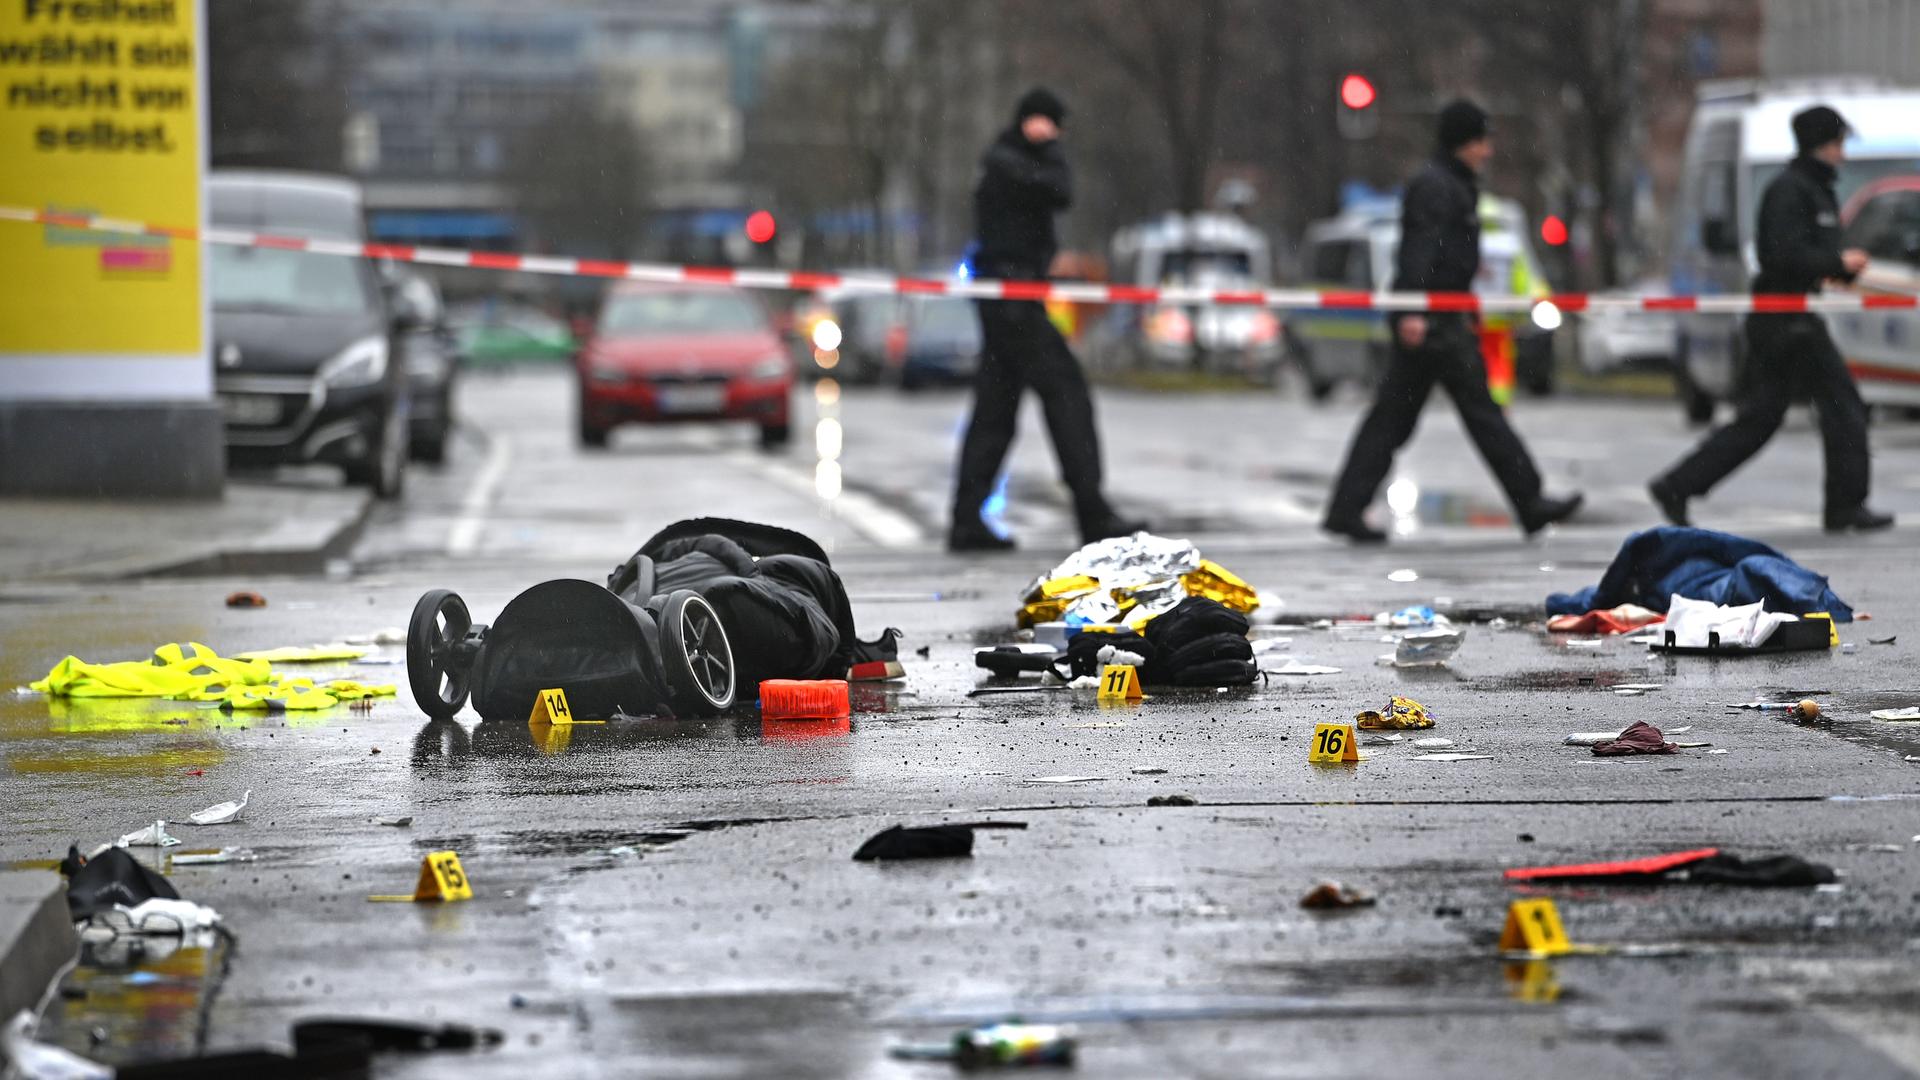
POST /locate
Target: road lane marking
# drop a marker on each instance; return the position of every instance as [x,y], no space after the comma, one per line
[868,516]
[464,537]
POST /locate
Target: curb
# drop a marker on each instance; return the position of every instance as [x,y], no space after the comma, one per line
[36,937]
[247,561]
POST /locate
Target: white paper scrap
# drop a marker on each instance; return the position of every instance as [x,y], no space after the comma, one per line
[221,813]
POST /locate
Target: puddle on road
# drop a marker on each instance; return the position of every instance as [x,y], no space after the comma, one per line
[139,998]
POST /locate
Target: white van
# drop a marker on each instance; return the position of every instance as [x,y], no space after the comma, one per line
[1741,137]
[1207,251]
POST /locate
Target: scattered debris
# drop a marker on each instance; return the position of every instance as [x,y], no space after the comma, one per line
[221,813]
[805,699]
[1594,738]
[927,841]
[245,599]
[998,1046]
[1898,716]
[1149,770]
[1288,666]
[154,835]
[1330,895]
[1173,800]
[392,635]
[1640,737]
[34,1060]
[1063,779]
[109,878]
[308,654]
[1615,620]
[1433,744]
[1703,866]
[1453,757]
[156,917]
[1428,647]
[212,858]
[1888,640]
[1400,714]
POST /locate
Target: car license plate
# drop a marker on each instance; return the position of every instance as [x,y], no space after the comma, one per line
[692,399]
[250,408]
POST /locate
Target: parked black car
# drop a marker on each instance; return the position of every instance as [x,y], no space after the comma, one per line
[303,344]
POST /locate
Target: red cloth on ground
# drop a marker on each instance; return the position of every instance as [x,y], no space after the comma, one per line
[1640,738]
[1617,620]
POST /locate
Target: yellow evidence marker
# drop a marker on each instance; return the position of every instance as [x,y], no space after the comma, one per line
[1120,682]
[1533,927]
[1333,744]
[441,879]
[551,708]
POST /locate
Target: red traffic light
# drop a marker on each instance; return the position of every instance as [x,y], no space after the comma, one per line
[1553,230]
[760,226]
[1356,91]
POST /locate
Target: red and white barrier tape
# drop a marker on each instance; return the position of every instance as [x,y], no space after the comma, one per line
[1078,292]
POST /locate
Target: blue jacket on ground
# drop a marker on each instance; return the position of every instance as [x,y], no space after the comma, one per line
[1701,564]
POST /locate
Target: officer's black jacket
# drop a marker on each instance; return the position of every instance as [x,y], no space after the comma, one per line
[1022,186]
[1798,237]
[1439,229]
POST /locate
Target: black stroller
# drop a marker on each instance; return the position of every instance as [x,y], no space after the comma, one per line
[693,621]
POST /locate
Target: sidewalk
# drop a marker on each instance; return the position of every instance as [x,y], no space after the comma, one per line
[257,528]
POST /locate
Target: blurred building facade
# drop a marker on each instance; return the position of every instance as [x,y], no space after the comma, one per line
[1844,37]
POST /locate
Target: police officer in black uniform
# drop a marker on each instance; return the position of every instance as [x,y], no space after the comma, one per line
[1024,182]
[1440,252]
[1791,356]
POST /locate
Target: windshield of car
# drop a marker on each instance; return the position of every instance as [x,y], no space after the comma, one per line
[1194,265]
[274,279]
[1888,226]
[681,313]
[1855,174]
[946,317]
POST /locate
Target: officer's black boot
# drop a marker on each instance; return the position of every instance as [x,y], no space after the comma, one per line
[1545,511]
[969,533]
[1857,519]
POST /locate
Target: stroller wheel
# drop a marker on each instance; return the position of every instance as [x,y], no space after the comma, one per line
[696,656]
[439,682]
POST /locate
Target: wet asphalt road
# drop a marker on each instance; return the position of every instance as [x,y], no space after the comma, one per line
[668,899]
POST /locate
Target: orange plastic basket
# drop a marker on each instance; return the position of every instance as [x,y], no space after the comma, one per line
[804,699]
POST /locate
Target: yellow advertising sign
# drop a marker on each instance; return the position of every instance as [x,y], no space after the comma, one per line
[100,110]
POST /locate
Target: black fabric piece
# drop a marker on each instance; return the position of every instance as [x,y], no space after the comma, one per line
[925,842]
[1460,123]
[111,877]
[1194,618]
[335,1062]
[1007,660]
[389,1036]
[884,647]
[1818,126]
[1201,642]
[1778,871]
[1083,650]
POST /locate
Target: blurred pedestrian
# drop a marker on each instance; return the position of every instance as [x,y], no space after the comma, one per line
[1024,182]
[1440,252]
[1790,356]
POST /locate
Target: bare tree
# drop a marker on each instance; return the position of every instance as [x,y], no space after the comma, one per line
[580,179]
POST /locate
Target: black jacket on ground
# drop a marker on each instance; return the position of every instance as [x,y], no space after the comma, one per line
[1439,229]
[1022,186]
[1798,235]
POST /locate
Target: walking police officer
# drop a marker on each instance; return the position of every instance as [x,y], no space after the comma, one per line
[1024,182]
[1440,252]
[1791,356]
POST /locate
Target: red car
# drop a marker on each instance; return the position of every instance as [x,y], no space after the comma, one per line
[664,354]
